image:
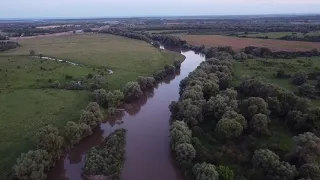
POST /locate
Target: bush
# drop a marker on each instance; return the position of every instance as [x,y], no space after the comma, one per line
[225,173]
[240,56]
[98,82]
[299,78]
[307,90]
[56,84]
[132,91]
[32,165]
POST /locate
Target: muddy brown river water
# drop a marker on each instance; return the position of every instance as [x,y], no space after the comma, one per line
[148,154]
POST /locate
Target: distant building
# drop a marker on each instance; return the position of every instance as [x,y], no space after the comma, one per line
[79,32]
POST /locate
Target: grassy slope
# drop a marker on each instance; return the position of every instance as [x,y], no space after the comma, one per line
[25,107]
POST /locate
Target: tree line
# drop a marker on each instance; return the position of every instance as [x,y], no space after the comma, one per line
[6,45]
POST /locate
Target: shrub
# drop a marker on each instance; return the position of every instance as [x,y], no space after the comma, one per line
[132,91]
[98,82]
[307,90]
[299,78]
[32,165]
[225,173]
[56,84]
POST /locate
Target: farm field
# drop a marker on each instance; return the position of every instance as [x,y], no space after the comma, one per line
[240,43]
[275,35]
[28,102]
[267,68]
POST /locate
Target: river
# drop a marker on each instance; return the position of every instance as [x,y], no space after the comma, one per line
[148,154]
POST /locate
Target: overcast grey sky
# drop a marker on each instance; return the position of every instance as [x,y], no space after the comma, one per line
[116,8]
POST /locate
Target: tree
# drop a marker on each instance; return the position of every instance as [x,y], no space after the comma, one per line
[169,69]
[72,133]
[210,88]
[259,124]
[252,106]
[240,56]
[132,91]
[32,52]
[306,148]
[56,84]
[32,165]
[299,78]
[98,82]
[205,171]
[311,171]
[47,138]
[115,98]
[185,153]
[146,82]
[100,96]
[237,117]
[189,112]
[265,160]
[296,120]
[225,173]
[180,133]
[217,106]
[228,128]
[307,90]
[91,115]
[283,171]
[85,130]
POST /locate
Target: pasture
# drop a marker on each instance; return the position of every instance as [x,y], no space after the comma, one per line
[27,102]
[238,43]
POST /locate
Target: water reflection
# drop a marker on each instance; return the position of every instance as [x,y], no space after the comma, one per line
[148,155]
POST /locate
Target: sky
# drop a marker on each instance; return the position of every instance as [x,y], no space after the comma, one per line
[132,8]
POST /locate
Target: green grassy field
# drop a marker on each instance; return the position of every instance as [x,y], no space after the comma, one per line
[266,68]
[26,105]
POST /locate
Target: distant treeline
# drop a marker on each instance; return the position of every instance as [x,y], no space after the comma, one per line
[223,26]
[6,45]
[305,38]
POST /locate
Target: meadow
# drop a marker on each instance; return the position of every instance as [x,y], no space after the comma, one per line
[238,43]
[28,102]
[267,69]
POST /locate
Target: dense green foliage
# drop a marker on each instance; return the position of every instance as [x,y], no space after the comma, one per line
[246,130]
[108,158]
